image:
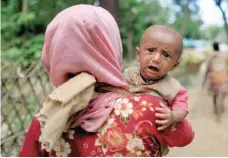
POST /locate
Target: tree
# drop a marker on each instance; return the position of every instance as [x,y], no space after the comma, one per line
[135,17]
[23,26]
[112,6]
[219,4]
[25,6]
[187,19]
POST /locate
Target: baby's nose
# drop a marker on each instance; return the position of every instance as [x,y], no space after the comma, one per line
[156,57]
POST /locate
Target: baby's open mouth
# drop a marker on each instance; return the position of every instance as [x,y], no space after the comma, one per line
[153,68]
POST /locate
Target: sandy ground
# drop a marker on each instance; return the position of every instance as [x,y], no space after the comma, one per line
[211,137]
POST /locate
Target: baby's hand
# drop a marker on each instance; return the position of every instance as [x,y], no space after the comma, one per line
[165,117]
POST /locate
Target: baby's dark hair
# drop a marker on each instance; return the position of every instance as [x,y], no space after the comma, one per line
[216,46]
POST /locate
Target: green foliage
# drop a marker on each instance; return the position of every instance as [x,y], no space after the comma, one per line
[136,16]
[187,19]
[19,42]
[23,31]
[214,33]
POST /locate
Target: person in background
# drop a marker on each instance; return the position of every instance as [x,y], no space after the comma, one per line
[216,77]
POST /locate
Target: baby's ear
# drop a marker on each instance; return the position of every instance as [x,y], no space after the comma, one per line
[175,65]
[137,53]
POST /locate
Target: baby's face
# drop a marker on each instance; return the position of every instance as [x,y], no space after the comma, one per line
[158,53]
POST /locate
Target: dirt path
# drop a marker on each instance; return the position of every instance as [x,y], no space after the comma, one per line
[211,137]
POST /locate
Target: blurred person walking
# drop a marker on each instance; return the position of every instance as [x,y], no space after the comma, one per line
[216,78]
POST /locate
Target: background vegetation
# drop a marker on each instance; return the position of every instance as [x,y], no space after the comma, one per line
[24,22]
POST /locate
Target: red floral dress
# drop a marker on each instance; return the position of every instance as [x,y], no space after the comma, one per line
[130,130]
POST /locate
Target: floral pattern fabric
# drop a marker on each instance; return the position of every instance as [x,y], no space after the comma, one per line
[130,130]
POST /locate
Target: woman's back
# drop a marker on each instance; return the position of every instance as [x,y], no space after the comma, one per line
[130,130]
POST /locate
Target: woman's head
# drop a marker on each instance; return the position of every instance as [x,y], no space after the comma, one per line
[83,38]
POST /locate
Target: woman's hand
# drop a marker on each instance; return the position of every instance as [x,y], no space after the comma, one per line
[165,117]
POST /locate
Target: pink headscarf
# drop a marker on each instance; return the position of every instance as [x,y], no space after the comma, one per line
[85,38]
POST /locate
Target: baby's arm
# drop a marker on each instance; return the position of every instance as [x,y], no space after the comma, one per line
[179,111]
[178,115]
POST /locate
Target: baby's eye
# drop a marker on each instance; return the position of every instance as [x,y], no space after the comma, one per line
[150,49]
[166,55]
